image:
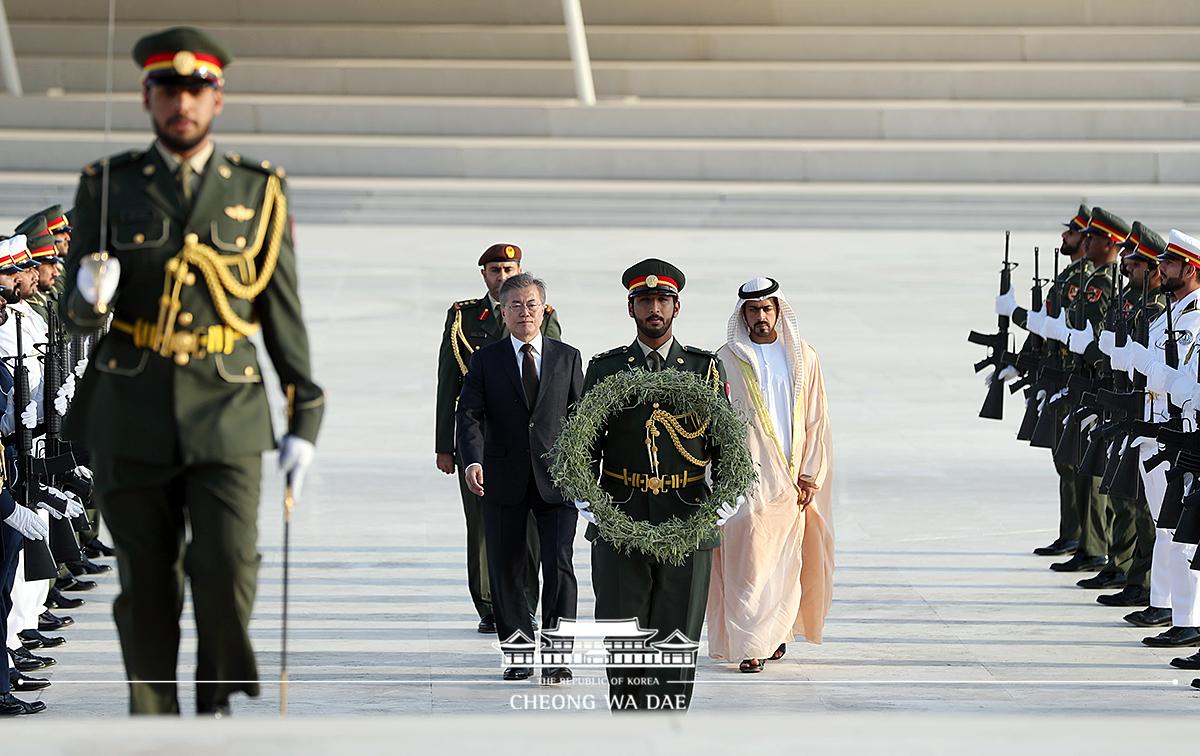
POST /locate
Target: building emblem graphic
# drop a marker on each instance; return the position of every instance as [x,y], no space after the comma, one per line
[598,643]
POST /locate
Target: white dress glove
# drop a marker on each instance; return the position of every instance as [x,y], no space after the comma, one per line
[584,512]
[80,367]
[28,524]
[1006,303]
[61,401]
[29,415]
[1140,358]
[83,472]
[1005,375]
[1161,376]
[295,457]
[1078,340]
[87,284]
[1183,388]
[1056,328]
[727,510]
[1108,342]
[1120,356]
[67,504]
[1035,322]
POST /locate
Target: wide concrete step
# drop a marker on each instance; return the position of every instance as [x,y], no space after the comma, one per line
[282,39]
[656,159]
[850,80]
[752,205]
[657,118]
[724,12]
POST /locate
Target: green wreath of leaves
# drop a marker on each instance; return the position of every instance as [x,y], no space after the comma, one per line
[571,459]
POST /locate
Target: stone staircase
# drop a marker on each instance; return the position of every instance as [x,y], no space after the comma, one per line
[462,110]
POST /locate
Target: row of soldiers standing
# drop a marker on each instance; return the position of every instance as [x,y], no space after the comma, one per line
[1109,374]
[49,533]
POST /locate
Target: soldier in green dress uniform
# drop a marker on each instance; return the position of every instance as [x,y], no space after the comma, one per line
[471,324]
[1104,232]
[1132,542]
[44,251]
[172,406]
[652,477]
[1061,294]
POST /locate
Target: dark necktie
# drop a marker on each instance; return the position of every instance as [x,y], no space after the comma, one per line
[655,361]
[529,376]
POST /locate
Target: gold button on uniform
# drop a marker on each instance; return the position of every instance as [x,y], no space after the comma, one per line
[139,238]
[185,319]
[249,371]
[112,364]
[191,239]
[181,358]
[240,241]
[190,280]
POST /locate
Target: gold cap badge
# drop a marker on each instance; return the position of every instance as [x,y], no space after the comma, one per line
[184,62]
[651,281]
[509,252]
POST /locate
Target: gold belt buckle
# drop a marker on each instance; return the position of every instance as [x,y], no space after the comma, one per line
[654,484]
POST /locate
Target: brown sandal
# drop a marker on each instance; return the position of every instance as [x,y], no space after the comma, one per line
[750,665]
[779,652]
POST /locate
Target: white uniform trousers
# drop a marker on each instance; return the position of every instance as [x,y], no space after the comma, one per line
[28,599]
[1155,484]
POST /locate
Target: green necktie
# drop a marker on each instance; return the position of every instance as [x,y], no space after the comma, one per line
[655,360]
[184,176]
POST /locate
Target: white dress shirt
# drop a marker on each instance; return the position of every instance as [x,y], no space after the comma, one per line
[33,332]
[537,353]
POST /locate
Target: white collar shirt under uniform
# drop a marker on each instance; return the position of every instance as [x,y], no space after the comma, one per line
[198,162]
[663,350]
[537,353]
[775,383]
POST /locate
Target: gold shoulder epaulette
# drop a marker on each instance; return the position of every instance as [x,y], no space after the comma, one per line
[698,350]
[464,303]
[610,353]
[263,166]
[114,161]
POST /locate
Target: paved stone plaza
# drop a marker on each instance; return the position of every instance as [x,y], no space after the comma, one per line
[939,607]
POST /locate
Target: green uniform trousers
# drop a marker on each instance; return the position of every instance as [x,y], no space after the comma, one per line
[477,570]
[1094,511]
[1138,572]
[1122,541]
[662,597]
[151,510]
[1068,509]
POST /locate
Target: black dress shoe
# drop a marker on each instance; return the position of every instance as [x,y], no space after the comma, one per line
[216,711]
[22,684]
[11,706]
[56,600]
[1187,662]
[95,548]
[555,675]
[1106,578]
[23,661]
[43,641]
[86,566]
[518,673]
[1130,595]
[1196,683]
[72,584]
[29,644]
[48,622]
[1060,547]
[487,625]
[1080,563]
[1176,637]
[1151,616]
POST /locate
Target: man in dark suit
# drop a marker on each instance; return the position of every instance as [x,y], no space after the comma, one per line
[514,397]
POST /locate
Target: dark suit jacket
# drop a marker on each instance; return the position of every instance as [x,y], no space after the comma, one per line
[496,427]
